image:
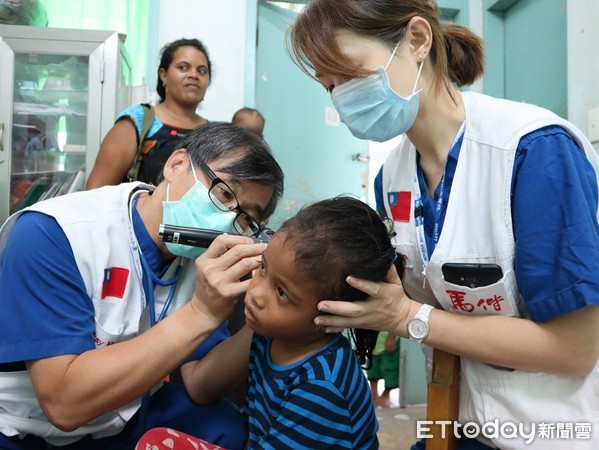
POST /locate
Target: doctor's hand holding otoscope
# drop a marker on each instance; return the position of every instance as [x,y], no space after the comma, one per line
[219,270]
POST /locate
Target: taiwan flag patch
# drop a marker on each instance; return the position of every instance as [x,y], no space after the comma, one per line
[400,204]
[115,282]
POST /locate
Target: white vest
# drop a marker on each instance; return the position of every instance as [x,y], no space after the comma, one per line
[478,229]
[98,228]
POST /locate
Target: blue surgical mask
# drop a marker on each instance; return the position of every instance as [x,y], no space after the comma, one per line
[195,209]
[372,110]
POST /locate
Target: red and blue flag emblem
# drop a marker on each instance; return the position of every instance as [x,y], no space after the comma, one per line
[400,204]
[115,282]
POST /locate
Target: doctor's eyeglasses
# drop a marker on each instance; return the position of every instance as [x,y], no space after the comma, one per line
[223,197]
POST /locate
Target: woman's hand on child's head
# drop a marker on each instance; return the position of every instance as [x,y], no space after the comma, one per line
[386,307]
[219,271]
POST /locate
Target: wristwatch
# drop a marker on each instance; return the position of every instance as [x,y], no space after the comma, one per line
[418,326]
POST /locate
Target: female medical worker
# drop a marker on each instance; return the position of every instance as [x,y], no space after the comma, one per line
[83,276]
[477,180]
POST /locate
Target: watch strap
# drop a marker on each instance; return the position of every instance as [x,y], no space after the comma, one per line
[422,318]
[424,312]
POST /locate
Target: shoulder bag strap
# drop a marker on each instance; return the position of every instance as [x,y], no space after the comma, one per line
[148,118]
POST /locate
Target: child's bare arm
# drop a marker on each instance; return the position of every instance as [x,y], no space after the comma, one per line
[223,368]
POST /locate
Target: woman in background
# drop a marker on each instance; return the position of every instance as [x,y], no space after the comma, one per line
[184,75]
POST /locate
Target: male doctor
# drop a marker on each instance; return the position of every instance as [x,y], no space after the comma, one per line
[97,310]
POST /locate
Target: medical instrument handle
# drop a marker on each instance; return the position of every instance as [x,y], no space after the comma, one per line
[196,237]
[200,237]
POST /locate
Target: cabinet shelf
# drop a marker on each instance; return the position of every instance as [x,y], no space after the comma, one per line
[46,162]
[60,91]
[53,96]
[39,173]
[40,109]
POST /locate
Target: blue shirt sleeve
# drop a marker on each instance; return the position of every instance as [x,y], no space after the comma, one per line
[554,207]
[213,340]
[135,114]
[45,307]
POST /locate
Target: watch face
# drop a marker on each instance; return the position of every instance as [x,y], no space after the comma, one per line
[418,329]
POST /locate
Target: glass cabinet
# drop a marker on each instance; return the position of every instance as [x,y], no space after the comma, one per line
[60,91]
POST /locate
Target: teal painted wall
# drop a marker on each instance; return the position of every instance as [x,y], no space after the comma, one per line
[316,158]
[454,11]
[525,62]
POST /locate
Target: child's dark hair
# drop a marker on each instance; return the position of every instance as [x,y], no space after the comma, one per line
[333,239]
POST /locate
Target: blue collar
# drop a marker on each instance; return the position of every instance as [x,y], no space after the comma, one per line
[433,209]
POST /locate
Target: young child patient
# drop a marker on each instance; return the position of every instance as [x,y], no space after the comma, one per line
[306,389]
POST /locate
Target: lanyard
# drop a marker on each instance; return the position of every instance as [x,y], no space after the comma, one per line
[419,218]
[437,213]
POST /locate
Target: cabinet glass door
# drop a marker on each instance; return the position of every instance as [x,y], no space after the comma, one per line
[49,123]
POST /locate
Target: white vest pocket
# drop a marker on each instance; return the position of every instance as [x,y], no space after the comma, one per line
[495,299]
[105,338]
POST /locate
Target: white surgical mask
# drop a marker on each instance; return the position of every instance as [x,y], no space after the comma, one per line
[195,209]
[370,107]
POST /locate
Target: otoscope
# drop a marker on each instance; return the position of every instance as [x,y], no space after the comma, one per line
[200,237]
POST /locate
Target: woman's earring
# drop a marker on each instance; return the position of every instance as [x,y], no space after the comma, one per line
[164,86]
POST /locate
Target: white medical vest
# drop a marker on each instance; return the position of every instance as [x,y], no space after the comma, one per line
[478,229]
[97,225]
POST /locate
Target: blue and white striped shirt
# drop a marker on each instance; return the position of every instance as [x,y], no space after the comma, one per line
[323,401]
